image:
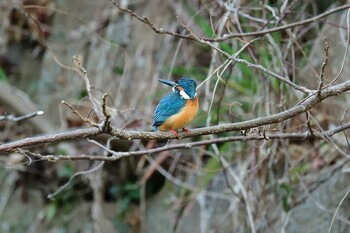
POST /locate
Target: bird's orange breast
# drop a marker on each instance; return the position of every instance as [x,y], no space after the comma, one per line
[182,118]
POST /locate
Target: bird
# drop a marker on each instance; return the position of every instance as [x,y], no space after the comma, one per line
[177,109]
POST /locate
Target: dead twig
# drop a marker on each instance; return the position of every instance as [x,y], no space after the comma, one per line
[341,124]
[86,120]
[324,64]
[308,118]
[21,118]
[88,88]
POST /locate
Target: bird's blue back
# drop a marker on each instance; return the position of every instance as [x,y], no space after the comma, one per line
[169,105]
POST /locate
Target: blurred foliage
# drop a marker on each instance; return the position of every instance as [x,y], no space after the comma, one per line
[3,76]
[128,69]
[286,192]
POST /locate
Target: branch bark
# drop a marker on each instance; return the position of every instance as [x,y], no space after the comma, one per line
[308,103]
[117,155]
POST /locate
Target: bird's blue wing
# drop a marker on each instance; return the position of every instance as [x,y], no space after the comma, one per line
[167,106]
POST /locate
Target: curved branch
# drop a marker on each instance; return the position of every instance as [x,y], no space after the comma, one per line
[146,21]
[300,108]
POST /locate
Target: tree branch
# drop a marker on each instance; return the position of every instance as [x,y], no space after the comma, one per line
[298,109]
[56,137]
[117,155]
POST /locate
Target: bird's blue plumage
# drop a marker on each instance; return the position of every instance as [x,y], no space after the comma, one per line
[169,105]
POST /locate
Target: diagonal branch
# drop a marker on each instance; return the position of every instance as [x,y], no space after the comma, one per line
[306,105]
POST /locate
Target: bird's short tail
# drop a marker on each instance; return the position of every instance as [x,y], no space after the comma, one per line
[155,128]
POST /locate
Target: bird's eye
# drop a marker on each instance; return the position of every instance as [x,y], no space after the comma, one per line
[175,88]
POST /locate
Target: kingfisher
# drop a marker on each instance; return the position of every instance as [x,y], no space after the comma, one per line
[177,109]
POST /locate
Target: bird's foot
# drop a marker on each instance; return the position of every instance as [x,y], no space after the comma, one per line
[175,133]
[186,131]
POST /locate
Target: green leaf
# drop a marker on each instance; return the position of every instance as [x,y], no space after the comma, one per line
[123,206]
[201,21]
[211,169]
[285,204]
[51,211]
[3,76]
[67,170]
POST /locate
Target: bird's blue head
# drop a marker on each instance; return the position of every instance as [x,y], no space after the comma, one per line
[184,87]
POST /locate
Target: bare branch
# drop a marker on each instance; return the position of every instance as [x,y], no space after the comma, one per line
[233,35]
[302,107]
[117,155]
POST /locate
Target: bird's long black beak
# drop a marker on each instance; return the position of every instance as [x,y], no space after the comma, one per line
[167,82]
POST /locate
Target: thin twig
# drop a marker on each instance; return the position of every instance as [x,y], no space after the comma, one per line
[341,124]
[324,64]
[346,51]
[88,88]
[63,187]
[330,141]
[245,195]
[308,123]
[337,209]
[86,120]
[21,118]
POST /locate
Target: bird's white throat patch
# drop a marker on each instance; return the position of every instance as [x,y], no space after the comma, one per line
[184,95]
